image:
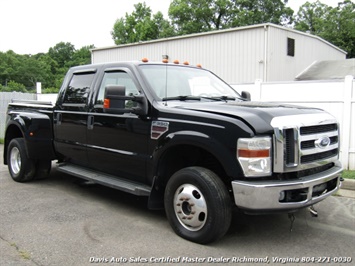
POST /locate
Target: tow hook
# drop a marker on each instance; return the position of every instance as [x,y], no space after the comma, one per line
[313,211]
[292,218]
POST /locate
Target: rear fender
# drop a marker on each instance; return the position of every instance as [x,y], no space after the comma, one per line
[36,129]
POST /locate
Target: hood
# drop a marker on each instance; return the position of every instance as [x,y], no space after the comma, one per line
[257,115]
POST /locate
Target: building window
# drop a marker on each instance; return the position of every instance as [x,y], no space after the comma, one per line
[290,47]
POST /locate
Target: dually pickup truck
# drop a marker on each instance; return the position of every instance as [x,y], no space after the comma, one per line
[180,136]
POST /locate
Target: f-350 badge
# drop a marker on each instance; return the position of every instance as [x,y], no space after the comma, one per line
[158,128]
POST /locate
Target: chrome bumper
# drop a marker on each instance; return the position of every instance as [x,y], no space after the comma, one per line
[265,196]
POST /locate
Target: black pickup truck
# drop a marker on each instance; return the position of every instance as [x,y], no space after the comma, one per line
[181,136]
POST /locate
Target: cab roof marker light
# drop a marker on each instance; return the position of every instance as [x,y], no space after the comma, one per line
[176,62]
[145,60]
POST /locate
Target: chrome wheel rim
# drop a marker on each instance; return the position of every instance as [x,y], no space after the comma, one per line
[15,160]
[190,207]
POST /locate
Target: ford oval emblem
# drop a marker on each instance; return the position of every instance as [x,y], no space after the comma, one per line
[322,142]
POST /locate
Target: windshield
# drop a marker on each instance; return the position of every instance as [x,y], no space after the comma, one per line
[172,82]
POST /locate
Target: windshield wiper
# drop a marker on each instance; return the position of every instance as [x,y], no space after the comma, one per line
[221,98]
[182,98]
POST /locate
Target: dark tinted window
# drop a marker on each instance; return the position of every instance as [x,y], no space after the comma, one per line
[78,89]
[290,47]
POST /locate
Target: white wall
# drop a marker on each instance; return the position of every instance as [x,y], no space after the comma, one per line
[335,97]
[48,97]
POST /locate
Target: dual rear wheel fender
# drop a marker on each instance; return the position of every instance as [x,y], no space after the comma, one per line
[22,168]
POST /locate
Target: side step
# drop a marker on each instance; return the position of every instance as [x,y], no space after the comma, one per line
[105,179]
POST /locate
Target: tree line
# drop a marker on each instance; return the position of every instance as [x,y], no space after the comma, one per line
[334,24]
[22,72]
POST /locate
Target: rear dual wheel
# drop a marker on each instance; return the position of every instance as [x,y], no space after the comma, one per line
[22,168]
[198,205]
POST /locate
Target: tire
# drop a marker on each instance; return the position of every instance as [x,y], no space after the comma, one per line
[21,168]
[197,205]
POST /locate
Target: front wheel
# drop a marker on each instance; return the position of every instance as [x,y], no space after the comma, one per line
[197,205]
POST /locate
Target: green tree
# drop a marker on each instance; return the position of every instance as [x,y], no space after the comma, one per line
[193,16]
[311,16]
[252,12]
[141,26]
[81,56]
[9,63]
[62,53]
[336,25]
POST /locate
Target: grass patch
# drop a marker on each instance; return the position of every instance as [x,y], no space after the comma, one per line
[1,141]
[348,174]
[23,254]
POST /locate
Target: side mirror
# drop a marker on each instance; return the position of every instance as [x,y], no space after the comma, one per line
[246,95]
[115,101]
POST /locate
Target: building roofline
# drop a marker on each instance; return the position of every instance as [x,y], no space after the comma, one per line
[263,25]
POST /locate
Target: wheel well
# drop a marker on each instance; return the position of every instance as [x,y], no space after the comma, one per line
[12,132]
[183,156]
[180,157]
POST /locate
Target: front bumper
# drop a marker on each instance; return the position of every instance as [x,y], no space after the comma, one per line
[272,196]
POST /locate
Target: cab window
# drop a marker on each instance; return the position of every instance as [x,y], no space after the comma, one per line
[116,78]
[78,90]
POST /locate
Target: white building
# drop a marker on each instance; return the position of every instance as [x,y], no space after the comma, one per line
[239,55]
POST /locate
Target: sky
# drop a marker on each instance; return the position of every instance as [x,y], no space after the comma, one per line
[33,26]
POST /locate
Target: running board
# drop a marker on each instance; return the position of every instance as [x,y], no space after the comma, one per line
[105,179]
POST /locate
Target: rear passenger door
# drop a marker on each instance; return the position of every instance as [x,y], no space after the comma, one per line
[71,117]
[117,143]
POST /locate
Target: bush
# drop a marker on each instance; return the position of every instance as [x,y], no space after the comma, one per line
[13,86]
[50,90]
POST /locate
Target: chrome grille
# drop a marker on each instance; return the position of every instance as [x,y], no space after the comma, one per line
[304,141]
[309,136]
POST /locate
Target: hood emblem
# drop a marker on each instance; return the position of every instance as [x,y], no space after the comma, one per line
[322,142]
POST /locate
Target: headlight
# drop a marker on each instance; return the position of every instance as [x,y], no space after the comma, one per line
[254,155]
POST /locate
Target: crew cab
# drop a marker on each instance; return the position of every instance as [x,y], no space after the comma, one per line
[180,136]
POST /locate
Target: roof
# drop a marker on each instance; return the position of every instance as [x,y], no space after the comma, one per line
[329,69]
[263,25]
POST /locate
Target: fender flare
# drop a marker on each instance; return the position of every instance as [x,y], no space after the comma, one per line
[37,131]
[199,140]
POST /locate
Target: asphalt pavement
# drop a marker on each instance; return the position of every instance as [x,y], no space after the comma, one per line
[60,221]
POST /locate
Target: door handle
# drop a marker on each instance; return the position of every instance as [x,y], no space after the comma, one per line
[58,119]
[90,123]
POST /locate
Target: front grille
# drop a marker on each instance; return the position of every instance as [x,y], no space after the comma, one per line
[290,146]
[309,144]
[308,137]
[319,156]
[318,129]
[304,142]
